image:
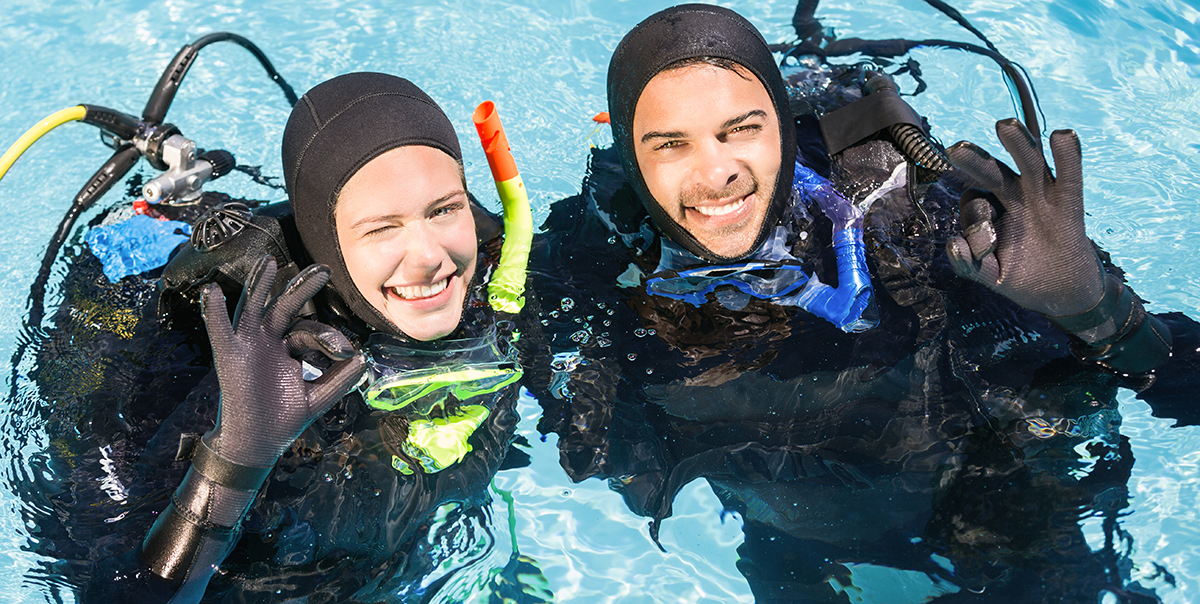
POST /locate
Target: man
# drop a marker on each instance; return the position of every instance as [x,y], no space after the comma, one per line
[910,417]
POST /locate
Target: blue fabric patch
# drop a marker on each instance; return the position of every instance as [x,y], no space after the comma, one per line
[136,245]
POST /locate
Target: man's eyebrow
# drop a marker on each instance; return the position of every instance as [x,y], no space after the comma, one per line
[741,118]
[655,134]
[729,123]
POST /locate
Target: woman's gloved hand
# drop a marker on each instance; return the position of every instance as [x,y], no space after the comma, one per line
[1035,251]
[265,402]
[265,405]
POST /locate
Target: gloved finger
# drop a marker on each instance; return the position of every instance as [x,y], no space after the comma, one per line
[990,173]
[977,216]
[1068,162]
[985,270]
[299,290]
[308,336]
[1025,151]
[324,391]
[961,259]
[216,318]
[257,289]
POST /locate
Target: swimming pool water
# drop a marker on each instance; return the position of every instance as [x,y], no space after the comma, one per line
[1124,74]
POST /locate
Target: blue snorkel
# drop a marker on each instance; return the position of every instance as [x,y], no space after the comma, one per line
[774,274]
[844,305]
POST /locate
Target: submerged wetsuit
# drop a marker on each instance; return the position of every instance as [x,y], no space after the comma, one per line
[129,372]
[335,519]
[945,440]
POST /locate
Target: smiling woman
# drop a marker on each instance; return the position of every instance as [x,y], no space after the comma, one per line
[411,255]
[384,216]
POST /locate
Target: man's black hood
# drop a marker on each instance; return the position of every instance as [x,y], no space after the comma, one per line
[335,129]
[686,32]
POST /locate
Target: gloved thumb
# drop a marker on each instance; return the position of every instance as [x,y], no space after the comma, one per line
[334,383]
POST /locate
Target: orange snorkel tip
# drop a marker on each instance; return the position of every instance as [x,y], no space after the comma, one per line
[495,143]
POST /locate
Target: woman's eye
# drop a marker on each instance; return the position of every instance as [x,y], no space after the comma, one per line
[448,209]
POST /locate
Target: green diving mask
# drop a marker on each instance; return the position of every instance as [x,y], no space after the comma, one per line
[444,390]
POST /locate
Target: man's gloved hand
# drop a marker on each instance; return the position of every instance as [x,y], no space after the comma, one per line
[1035,252]
[265,402]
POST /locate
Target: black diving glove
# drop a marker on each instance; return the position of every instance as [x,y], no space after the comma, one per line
[1035,250]
[265,405]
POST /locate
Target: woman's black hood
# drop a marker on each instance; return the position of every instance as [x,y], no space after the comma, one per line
[335,129]
[686,32]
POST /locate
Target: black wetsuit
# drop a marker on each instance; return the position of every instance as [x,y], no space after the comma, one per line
[118,384]
[948,429]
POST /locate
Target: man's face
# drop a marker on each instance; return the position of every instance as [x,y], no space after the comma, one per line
[408,238]
[707,142]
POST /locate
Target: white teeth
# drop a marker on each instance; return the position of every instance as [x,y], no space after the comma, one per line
[720,210]
[417,292]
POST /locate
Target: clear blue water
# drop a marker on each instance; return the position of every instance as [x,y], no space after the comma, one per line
[1125,74]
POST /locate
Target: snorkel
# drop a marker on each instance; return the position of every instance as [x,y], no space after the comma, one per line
[505,292]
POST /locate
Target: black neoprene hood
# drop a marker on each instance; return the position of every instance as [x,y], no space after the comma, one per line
[335,129]
[685,32]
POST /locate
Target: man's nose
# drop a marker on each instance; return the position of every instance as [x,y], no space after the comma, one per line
[716,168]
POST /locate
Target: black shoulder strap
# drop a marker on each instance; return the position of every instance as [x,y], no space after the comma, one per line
[858,121]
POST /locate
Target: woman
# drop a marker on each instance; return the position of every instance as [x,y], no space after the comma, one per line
[334,509]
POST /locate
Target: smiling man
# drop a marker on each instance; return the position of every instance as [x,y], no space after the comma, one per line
[715,170]
[793,311]
[703,129]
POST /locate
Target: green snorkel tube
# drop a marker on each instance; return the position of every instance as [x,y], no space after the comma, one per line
[507,288]
[436,443]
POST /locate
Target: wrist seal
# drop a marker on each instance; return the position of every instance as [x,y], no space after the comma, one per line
[1117,332]
[203,520]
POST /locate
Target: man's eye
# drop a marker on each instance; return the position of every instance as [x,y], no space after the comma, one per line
[669,145]
[746,128]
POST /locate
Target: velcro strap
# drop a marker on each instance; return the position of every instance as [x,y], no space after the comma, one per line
[1109,317]
[226,473]
[861,119]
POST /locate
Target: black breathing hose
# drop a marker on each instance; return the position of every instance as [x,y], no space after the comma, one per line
[149,130]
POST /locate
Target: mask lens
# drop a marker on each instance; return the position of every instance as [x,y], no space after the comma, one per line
[757,279]
[424,389]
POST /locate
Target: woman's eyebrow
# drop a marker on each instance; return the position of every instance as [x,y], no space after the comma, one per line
[391,217]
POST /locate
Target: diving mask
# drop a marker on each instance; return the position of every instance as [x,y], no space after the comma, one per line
[444,389]
[764,280]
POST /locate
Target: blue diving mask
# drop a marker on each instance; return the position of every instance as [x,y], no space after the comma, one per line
[445,389]
[764,280]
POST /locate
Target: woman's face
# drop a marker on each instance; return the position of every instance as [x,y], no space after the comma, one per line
[407,236]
